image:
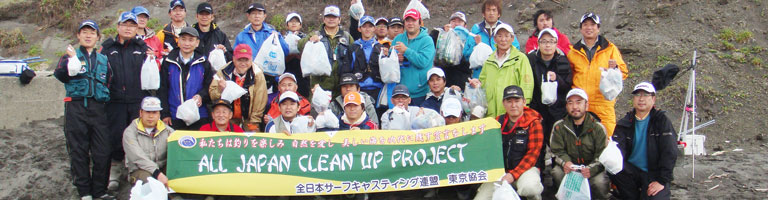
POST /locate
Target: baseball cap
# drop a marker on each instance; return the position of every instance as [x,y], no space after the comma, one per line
[365,19]
[590,15]
[286,75]
[459,15]
[547,31]
[513,91]
[577,92]
[89,23]
[505,27]
[412,13]
[204,7]
[138,10]
[395,21]
[401,89]
[332,10]
[151,104]
[222,102]
[382,19]
[189,30]
[289,95]
[293,15]
[348,78]
[256,6]
[435,71]
[175,3]
[354,98]
[242,51]
[125,16]
[451,107]
[645,86]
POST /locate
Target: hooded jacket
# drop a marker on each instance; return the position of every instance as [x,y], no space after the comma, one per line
[338,109]
[364,124]
[516,70]
[180,82]
[662,144]
[253,103]
[213,37]
[365,65]
[337,48]
[562,68]
[584,149]
[487,38]
[125,61]
[255,38]
[145,151]
[154,43]
[418,60]
[522,141]
[562,42]
[168,38]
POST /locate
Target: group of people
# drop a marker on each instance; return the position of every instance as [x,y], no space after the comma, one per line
[112,123]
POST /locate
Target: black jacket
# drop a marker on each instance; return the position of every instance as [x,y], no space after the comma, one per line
[662,144]
[213,37]
[360,66]
[560,65]
[125,60]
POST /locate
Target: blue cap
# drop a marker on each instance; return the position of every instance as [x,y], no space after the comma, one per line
[366,19]
[125,16]
[401,89]
[140,10]
[89,23]
[175,3]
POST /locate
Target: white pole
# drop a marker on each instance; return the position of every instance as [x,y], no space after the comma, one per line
[693,115]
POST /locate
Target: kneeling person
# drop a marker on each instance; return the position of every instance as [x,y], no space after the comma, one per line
[289,112]
[354,117]
[222,118]
[144,142]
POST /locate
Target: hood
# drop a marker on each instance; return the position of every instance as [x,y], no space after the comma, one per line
[602,44]
[529,116]
[264,28]
[140,126]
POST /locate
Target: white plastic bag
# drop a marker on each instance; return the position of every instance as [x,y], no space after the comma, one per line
[293,43]
[481,53]
[427,118]
[611,158]
[357,10]
[326,119]
[232,92]
[611,83]
[74,66]
[574,187]
[505,192]
[187,112]
[449,48]
[150,74]
[314,60]
[416,4]
[478,105]
[389,67]
[217,59]
[321,99]
[399,119]
[271,57]
[153,190]
[548,91]
[300,124]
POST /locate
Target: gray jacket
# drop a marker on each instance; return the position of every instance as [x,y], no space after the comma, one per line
[337,107]
[145,151]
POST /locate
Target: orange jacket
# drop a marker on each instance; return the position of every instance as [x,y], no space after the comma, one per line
[587,74]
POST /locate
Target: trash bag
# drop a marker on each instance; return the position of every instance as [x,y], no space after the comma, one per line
[232,92]
[314,60]
[574,187]
[611,83]
[399,119]
[478,105]
[548,91]
[74,66]
[427,118]
[217,59]
[481,53]
[270,56]
[416,4]
[321,99]
[293,43]
[326,119]
[152,190]
[357,10]
[611,158]
[504,191]
[187,112]
[300,124]
[449,48]
[150,74]
[389,67]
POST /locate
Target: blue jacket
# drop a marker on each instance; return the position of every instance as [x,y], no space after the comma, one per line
[365,125]
[254,39]
[93,79]
[418,60]
[487,38]
[180,82]
[365,64]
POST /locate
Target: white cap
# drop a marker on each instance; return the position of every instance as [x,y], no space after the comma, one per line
[459,15]
[504,26]
[548,31]
[151,104]
[286,75]
[645,86]
[291,16]
[435,71]
[451,107]
[332,10]
[578,92]
[288,95]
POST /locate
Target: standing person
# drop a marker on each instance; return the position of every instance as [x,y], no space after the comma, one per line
[293,25]
[395,27]
[456,74]
[255,33]
[350,84]
[648,144]
[355,117]
[579,139]
[170,33]
[222,113]
[248,110]
[147,34]
[416,53]
[211,36]
[484,31]
[364,59]
[543,19]
[382,30]
[589,57]
[506,66]
[86,125]
[144,142]
[126,55]
[185,75]
[336,42]
[289,112]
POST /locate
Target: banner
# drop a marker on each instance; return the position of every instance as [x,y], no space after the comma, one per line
[330,163]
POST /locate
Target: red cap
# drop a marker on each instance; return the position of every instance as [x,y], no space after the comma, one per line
[242,51]
[413,13]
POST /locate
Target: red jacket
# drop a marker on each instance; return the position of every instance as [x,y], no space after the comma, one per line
[531,122]
[153,42]
[562,42]
[274,107]
[212,127]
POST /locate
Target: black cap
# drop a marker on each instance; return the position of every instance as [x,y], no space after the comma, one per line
[513,91]
[222,102]
[348,78]
[401,89]
[204,7]
[256,6]
[189,30]
[395,21]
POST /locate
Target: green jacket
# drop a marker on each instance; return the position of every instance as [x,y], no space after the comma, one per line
[584,150]
[516,70]
[337,48]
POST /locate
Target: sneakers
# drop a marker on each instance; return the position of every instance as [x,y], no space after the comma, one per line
[86,197]
[107,197]
[114,175]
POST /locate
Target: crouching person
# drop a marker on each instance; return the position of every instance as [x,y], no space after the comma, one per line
[355,117]
[222,118]
[144,142]
[522,139]
[579,139]
[289,116]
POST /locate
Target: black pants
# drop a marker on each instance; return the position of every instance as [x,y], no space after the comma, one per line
[85,129]
[178,124]
[632,183]
[120,116]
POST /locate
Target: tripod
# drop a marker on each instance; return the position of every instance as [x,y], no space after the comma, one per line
[689,116]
